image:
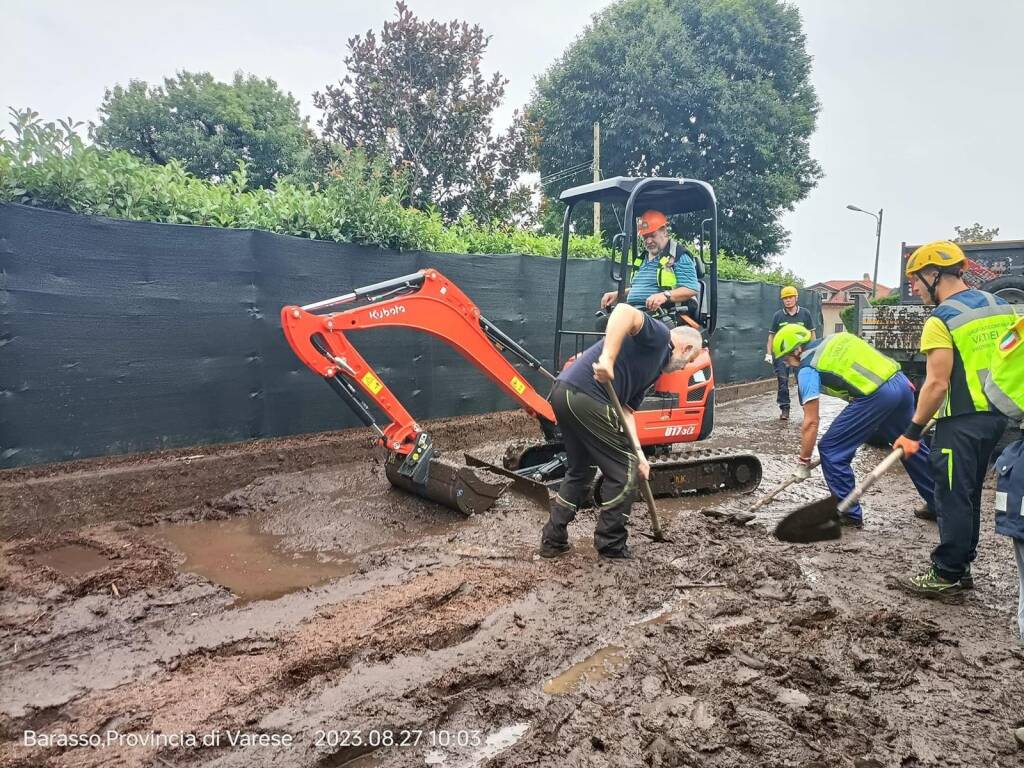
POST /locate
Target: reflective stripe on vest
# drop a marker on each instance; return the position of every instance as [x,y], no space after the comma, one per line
[849,366]
[1004,387]
[975,332]
[666,266]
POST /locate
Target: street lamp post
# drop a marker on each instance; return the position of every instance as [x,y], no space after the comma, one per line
[878,242]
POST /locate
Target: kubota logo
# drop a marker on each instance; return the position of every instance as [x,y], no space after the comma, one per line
[380,314]
[687,429]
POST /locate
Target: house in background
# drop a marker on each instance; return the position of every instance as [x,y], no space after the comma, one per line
[837,295]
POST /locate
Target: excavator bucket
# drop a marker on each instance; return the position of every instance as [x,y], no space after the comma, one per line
[455,486]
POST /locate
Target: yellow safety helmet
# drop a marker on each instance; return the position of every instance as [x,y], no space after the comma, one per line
[941,253]
[789,337]
[787,292]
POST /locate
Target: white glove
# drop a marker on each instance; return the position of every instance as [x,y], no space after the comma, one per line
[768,358]
[802,471]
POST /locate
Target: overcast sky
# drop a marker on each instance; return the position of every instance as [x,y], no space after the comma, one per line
[922,100]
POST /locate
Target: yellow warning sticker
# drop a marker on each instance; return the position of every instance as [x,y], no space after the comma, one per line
[518,385]
[372,383]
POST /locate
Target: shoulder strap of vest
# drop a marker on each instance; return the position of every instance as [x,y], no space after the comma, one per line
[673,254]
[813,354]
[957,306]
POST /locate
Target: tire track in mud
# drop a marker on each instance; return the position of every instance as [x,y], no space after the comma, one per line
[226,686]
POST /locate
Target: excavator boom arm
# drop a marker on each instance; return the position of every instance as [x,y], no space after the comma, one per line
[426,301]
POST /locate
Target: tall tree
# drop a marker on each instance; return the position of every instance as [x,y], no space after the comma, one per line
[975,233]
[207,125]
[717,90]
[417,96]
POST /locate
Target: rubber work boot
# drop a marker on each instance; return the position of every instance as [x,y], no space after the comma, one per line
[931,586]
[552,550]
[554,539]
[616,554]
[783,414]
[851,522]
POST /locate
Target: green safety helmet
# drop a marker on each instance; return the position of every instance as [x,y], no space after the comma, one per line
[789,337]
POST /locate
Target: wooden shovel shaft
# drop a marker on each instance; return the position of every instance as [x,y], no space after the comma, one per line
[874,474]
[778,489]
[644,485]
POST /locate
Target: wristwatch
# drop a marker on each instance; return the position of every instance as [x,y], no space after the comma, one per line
[667,295]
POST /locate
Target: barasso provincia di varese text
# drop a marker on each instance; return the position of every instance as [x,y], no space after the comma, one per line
[238,738]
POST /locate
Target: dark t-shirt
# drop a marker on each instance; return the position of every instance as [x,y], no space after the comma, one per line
[802,317]
[638,365]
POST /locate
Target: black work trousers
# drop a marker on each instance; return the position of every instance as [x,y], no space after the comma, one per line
[959,460]
[594,439]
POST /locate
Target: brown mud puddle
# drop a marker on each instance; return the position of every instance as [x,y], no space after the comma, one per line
[72,560]
[593,669]
[249,562]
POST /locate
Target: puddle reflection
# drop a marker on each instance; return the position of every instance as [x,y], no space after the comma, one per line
[237,555]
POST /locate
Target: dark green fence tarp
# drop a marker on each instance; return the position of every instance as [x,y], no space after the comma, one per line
[119,336]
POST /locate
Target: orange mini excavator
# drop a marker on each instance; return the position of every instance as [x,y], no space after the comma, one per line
[678,409]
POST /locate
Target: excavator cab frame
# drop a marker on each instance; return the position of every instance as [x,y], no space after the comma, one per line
[671,196]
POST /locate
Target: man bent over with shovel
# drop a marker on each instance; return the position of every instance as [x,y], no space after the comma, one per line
[880,399]
[634,353]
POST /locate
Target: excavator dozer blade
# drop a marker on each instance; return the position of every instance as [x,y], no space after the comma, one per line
[532,489]
[455,486]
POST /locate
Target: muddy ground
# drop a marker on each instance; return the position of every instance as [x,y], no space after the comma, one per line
[361,627]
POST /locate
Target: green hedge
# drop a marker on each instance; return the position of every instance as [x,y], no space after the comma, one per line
[48,165]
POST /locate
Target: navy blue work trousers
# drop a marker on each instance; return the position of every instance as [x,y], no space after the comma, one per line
[886,411]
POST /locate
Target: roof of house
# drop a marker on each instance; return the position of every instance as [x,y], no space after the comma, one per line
[840,289]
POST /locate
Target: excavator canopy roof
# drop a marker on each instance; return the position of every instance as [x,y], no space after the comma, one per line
[668,195]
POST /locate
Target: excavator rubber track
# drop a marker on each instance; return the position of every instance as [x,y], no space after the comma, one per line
[700,470]
[704,470]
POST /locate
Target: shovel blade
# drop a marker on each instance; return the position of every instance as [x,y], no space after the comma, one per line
[812,522]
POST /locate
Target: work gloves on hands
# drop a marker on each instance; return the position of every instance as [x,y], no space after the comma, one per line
[802,471]
[768,358]
[910,440]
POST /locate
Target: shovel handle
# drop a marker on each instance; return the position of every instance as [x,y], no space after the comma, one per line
[875,473]
[644,485]
[778,489]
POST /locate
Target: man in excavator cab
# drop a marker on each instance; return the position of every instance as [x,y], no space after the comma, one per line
[664,281]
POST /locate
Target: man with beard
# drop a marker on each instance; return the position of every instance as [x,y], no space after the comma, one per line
[635,351]
[665,277]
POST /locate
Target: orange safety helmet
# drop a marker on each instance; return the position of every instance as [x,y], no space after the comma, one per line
[651,221]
